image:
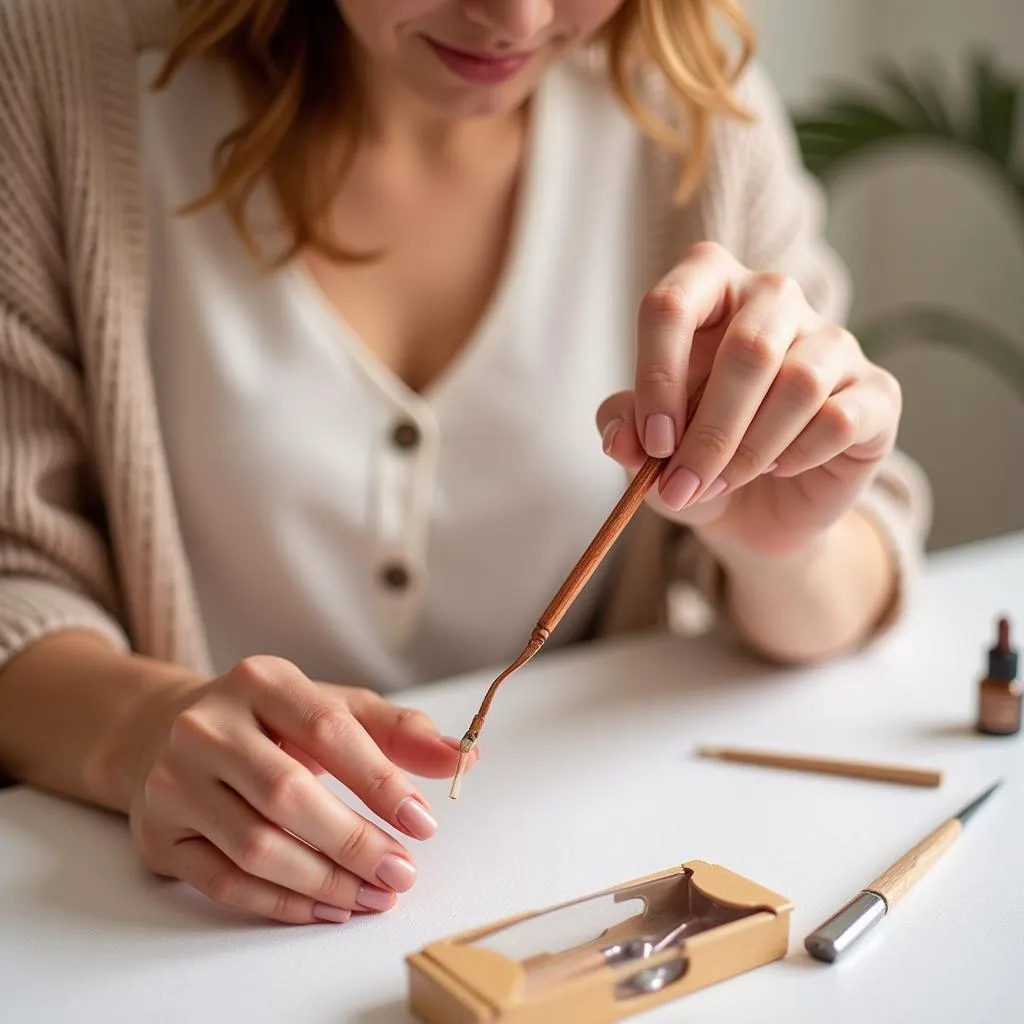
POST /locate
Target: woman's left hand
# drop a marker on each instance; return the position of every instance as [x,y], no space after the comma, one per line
[793,421]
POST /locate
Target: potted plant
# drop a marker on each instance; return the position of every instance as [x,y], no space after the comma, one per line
[915,110]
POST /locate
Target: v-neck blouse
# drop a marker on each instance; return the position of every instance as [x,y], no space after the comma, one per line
[373,535]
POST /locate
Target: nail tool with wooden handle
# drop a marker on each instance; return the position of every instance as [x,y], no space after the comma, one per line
[577,579]
[832,939]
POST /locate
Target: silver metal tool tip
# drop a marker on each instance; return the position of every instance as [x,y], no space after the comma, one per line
[964,813]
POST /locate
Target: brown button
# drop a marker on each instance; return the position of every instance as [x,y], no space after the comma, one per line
[406,435]
[395,576]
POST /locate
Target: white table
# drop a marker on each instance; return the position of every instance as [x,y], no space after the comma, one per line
[588,780]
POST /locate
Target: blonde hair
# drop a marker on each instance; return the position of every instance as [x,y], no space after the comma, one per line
[292,62]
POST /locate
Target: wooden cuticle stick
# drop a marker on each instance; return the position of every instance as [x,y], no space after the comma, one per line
[874,771]
[581,572]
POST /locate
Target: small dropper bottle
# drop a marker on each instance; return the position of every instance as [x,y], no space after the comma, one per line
[1000,692]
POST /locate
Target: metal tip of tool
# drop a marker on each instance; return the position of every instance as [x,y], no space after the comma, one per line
[973,806]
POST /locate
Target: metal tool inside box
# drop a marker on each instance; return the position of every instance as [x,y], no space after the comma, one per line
[605,956]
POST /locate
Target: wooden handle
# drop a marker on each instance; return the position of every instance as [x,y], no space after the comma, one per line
[829,766]
[893,884]
[603,540]
[616,522]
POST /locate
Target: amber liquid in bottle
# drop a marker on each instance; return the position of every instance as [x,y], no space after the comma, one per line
[1001,693]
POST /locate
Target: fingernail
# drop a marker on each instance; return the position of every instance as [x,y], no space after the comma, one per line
[660,435]
[415,818]
[396,873]
[608,436]
[770,469]
[373,898]
[680,487]
[325,912]
[714,490]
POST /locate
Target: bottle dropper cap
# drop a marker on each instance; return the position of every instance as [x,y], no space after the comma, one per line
[1002,659]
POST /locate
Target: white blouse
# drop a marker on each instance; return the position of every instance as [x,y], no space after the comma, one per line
[332,516]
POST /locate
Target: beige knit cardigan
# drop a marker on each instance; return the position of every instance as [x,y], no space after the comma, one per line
[88,533]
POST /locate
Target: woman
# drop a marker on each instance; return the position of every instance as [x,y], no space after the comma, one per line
[309,313]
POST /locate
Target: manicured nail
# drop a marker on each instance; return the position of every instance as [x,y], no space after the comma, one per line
[680,487]
[325,912]
[660,435]
[373,898]
[770,469]
[714,490]
[415,818]
[608,436]
[396,873]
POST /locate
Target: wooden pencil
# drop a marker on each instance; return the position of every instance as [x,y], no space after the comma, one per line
[829,766]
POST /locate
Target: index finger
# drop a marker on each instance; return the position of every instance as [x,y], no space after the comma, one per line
[299,712]
[696,293]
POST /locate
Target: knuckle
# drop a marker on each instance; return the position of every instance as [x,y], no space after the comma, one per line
[283,792]
[803,383]
[713,440]
[750,348]
[380,778]
[255,847]
[284,908]
[259,671]
[840,423]
[159,785]
[222,886]
[336,886]
[329,726]
[412,719]
[660,374]
[842,338]
[356,843]
[663,303]
[746,462]
[705,249]
[783,286]
[890,386]
[190,729]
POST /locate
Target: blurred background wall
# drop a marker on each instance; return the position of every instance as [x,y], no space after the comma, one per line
[925,225]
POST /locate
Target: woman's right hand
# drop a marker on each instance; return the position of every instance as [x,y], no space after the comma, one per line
[229,801]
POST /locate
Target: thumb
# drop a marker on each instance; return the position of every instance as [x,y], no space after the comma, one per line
[616,423]
[407,736]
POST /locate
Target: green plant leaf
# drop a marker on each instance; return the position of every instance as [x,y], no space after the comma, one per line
[994,120]
[951,329]
[921,99]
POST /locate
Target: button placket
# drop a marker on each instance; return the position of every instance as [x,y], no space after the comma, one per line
[407,457]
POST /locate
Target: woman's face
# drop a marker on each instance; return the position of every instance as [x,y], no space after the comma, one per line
[466,58]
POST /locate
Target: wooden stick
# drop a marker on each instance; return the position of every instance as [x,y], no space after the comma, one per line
[577,579]
[828,766]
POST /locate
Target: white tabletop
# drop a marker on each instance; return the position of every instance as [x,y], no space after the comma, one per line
[587,780]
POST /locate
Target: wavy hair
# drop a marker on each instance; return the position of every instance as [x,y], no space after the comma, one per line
[292,62]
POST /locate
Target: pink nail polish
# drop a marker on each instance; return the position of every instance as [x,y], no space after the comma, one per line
[396,873]
[610,433]
[335,915]
[415,818]
[660,435]
[372,898]
[680,487]
[714,490]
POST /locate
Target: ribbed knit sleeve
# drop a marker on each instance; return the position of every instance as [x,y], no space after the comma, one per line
[55,567]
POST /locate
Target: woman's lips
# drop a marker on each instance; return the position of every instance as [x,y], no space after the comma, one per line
[480,68]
